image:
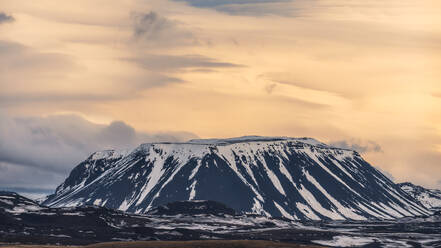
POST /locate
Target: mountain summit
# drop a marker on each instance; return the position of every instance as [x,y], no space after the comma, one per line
[297,178]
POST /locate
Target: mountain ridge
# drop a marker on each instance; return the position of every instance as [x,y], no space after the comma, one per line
[115,153]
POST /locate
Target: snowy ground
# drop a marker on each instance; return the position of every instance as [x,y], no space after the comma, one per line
[24,221]
[79,226]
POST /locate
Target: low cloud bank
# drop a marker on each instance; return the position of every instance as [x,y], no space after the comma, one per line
[38,152]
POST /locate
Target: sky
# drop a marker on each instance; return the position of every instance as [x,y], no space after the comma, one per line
[80,76]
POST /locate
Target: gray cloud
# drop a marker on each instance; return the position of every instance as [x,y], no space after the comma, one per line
[27,179]
[152,29]
[45,149]
[357,145]
[245,7]
[177,63]
[6,18]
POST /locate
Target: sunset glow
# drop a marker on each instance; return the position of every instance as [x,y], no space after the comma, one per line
[362,73]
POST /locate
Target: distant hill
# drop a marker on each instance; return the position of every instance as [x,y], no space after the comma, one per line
[430,198]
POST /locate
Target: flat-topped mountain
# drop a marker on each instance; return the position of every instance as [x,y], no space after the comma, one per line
[297,178]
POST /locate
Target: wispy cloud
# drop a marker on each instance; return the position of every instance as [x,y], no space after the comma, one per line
[215,3]
[245,7]
[22,66]
[358,145]
[178,63]
[25,73]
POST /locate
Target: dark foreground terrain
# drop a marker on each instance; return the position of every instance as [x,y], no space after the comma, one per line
[183,244]
[23,221]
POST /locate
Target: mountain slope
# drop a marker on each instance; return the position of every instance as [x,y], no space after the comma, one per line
[430,198]
[12,202]
[297,178]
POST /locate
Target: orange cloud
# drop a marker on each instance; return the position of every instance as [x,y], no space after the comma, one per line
[331,69]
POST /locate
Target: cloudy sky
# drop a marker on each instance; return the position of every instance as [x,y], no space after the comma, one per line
[79,76]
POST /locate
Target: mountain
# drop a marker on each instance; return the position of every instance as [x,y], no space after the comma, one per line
[430,198]
[12,202]
[297,178]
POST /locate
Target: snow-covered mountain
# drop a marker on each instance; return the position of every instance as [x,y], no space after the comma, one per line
[430,198]
[297,178]
[12,202]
